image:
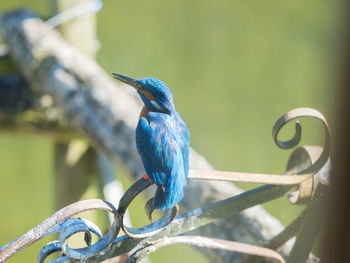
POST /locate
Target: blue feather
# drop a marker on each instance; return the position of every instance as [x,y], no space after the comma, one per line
[163,144]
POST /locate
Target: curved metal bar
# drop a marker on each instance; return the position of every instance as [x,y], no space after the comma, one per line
[275,179]
[67,228]
[130,195]
[301,113]
[60,260]
[79,225]
[288,232]
[81,253]
[48,249]
[294,177]
[290,143]
[298,160]
[208,243]
[49,224]
[150,229]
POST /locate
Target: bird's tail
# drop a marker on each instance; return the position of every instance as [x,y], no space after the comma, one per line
[164,200]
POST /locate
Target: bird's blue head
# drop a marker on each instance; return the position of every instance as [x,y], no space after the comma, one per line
[154,93]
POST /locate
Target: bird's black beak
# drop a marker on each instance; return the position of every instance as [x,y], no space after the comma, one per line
[130,81]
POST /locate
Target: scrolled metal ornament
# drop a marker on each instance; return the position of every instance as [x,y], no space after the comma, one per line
[152,228]
[62,221]
[317,156]
[66,229]
[49,249]
[297,114]
[298,161]
[294,177]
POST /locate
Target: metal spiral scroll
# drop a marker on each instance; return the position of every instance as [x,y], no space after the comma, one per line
[150,229]
[62,222]
[300,157]
[300,113]
[303,164]
[293,177]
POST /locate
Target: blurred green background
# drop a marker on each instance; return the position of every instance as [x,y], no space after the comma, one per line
[234,68]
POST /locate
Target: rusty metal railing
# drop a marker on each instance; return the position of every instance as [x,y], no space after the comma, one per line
[307,174]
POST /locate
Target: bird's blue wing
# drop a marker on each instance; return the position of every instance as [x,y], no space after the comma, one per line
[163,144]
[158,146]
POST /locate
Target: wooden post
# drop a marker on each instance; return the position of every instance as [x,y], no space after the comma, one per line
[72,170]
[72,181]
[73,160]
[79,32]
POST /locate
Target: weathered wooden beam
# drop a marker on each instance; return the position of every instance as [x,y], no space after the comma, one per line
[28,124]
[79,31]
[107,113]
[72,179]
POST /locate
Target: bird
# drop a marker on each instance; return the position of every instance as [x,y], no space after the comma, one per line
[162,141]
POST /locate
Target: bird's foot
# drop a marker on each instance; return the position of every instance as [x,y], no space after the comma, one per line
[149,207]
[146,177]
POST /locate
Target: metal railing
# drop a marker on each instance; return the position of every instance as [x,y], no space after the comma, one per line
[311,183]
